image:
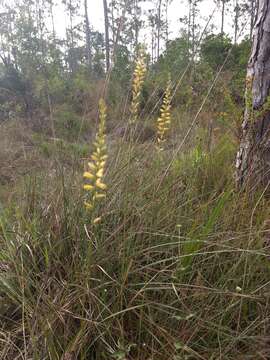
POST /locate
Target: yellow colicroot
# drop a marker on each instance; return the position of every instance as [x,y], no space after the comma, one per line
[164,120]
[138,79]
[95,186]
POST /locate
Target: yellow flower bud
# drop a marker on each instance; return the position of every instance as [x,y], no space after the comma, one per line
[88,187]
[92,166]
[88,175]
[88,205]
[100,185]
[100,173]
[100,196]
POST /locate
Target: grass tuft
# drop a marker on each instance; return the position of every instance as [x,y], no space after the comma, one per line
[182,274]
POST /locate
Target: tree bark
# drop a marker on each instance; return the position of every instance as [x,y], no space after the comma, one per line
[52,21]
[167,20]
[193,29]
[253,158]
[158,28]
[71,49]
[222,17]
[87,36]
[136,27]
[236,21]
[107,39]
[253,15]
[252,8]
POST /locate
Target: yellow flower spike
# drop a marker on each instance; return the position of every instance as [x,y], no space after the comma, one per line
[138,79]
[164,120]
[95,172]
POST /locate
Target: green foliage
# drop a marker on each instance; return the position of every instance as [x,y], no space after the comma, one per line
[215,49]
[97,41]
[68,124]
[121,75]
[122,70]
[218,50]
[175,57]
[56,82]
[205,170]
[195,244]
[63,149]
[171,63]
[239,58]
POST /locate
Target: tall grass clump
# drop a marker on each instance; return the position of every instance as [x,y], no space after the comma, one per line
[177,269]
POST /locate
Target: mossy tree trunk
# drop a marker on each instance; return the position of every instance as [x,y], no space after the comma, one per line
[253,158]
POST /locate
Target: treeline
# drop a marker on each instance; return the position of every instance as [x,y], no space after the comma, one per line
[39,69]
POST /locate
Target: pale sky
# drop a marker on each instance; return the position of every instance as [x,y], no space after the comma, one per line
[177,9]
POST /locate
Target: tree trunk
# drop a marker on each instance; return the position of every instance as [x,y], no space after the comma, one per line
[53,23]
[252,8]
[118,32]
[87,36]
[107,39]
[71,46]
[189,24]
[253,158]
[136,27]
[152,45]
[236,21]
[253,15]
[112,22]
[167,21]
[222,17]
[193,29]
[158,28]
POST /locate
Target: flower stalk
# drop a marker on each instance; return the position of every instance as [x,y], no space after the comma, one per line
[164,120]
[138,80]
[95,187]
